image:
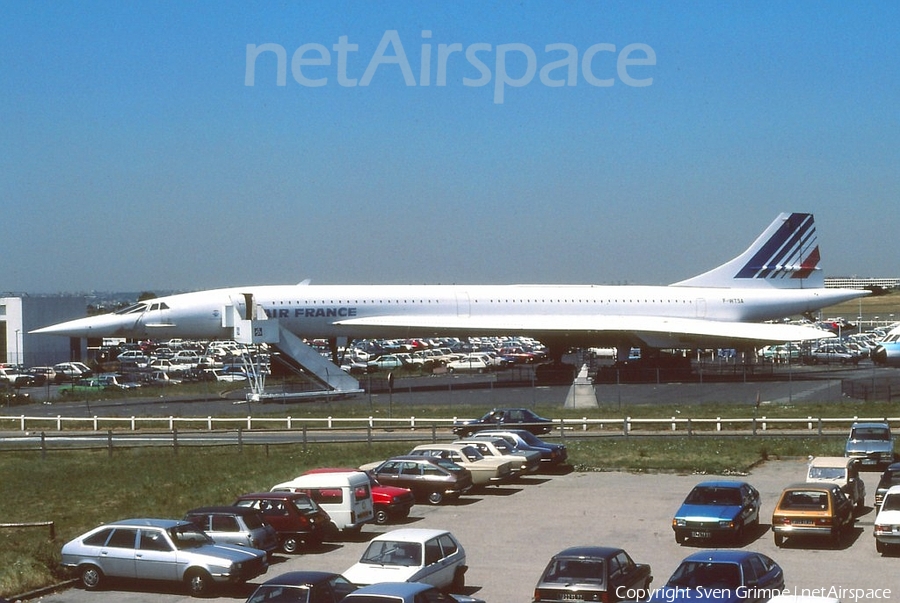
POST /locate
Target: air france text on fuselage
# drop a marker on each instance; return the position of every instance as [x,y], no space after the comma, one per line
[514,64]
[321,312]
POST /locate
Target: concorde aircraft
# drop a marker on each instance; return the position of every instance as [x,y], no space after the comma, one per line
[776,277]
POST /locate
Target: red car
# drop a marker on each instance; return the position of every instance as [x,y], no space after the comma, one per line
[390,502]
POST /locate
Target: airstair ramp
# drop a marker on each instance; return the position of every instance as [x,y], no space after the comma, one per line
[269,331]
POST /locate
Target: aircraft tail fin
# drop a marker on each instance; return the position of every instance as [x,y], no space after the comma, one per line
[784,256]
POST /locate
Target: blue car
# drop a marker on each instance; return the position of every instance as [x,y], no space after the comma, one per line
[715,509]
[728,576]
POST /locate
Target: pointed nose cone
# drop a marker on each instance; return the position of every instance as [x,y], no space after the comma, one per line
[105,325]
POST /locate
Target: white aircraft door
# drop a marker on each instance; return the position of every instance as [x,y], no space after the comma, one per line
[700,307]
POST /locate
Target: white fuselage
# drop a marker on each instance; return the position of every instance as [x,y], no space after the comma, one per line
[324,311]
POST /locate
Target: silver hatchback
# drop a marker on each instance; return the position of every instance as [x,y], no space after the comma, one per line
[159,549]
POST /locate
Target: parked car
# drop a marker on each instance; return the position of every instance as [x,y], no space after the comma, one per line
[42,374]
[412,555]
[69,371]
[871,443]
[593,573]
[297,519]
[890,477]
[524,461]
[241,526]
[159,549]
[390,502]
[388,362]
[406,592]
[346,497]
[134,358]
[812,509]
[16,378]
[842,471]
[517,418]
[303,587]
[831,354]
[427,478]
[715,509]
[551,452]
[469,364]
[725,576]
[486,471]
[887,522]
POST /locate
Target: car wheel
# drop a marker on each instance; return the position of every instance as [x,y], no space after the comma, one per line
[836,536]
[879,547]
[381,516]
[198,582]
[681,537]
[290,544]
[459,581]
[779,540]
[435,498]
[91,577]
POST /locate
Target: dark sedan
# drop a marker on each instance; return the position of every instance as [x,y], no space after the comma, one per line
[303,587]
[890,477]
[551,452]
[722,577]
[593,573]
[430,478]
[505,418]
[717,508]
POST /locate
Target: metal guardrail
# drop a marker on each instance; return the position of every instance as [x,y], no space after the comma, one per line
[625,425]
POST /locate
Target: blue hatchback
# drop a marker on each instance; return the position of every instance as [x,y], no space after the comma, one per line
[717,508]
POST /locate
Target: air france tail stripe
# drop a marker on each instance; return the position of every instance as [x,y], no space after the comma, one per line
[790,251]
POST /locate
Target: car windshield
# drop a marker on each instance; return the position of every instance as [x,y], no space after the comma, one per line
[393,552]
[445,463]
[827,472]
[187,536]
[567,570]
[714,496]
[280,594]
[471,453]
[503,446]
[530,438]
[707,575]
[891,503]
[870,433]
[304,503]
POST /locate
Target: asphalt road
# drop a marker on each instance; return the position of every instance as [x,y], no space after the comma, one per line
[509,533]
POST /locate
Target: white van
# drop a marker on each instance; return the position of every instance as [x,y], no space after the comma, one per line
[346,496]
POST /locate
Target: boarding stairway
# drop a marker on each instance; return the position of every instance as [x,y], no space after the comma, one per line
[257,328]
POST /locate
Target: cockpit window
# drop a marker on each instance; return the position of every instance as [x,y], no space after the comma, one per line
[142,307]
[133,309]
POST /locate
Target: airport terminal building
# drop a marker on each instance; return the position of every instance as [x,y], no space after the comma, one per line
[19,315]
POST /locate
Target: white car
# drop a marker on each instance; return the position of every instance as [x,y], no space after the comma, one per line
[472,364]
[412,555]
[887,522]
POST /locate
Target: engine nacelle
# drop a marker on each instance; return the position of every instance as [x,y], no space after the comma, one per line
[886,354]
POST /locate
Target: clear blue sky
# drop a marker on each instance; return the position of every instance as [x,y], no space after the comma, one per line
[135,155]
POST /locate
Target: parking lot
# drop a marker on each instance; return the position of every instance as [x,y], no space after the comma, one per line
[510,532]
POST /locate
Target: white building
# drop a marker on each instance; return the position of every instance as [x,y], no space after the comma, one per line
[19,315]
